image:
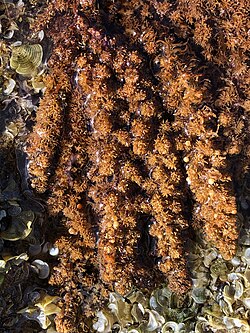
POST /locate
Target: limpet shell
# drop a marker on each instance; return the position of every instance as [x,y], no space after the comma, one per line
[219,269]
[26,58]
[229,292]
[235,261]
[175,327]
[209,257]
[2,214]
[103,324]
[239,289]
[9,87]
[137,312]
[246,302]
[41,267]
[246,256]
[198,295]
[155,320]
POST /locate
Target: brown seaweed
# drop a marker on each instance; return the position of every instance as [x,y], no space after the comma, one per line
[144,118]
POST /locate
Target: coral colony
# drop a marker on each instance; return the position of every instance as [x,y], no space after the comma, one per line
[140,147]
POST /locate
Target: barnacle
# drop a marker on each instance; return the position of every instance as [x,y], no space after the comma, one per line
[25,59]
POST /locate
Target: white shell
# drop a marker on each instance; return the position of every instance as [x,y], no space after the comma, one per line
[210,256]
[235,261]
[2,264]
[41,267]
[175,327]
[41,35]
[10,87]
[228,322]
[102,325]
[152,302]
[239,289]
[239,323]
[9,34]
[54,251]
[246,256]
[17,43]
[155,320]
[246,302]
[2,214]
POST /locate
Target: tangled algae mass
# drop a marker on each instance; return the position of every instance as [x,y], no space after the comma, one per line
[141,140]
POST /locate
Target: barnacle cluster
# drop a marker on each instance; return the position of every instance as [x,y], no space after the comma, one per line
[141,141]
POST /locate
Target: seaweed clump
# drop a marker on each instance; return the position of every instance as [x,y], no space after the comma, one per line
[140,141]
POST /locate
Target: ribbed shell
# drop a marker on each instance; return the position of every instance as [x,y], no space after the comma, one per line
[26,58]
